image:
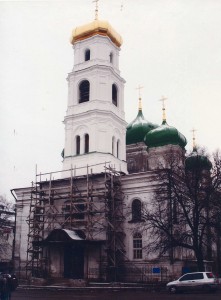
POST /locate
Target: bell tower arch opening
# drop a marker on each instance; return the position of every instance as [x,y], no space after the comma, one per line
[87,54]
[114,94]
[84,91]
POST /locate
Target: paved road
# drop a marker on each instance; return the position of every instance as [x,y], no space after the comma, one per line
[107,295]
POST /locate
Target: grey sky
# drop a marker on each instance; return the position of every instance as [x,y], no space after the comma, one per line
[171,47]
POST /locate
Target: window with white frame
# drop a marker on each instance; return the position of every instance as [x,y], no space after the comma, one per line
[137,246]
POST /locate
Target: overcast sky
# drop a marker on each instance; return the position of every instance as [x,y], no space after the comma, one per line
[171,47]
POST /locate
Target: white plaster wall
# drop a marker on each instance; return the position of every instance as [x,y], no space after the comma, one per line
[98,117]
[21,235]
[137,186]
[94,161]
[100,48]
[101,79]
[101,127]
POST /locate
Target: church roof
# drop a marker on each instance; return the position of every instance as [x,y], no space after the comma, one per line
[96,27]
[165,135]
[138,128]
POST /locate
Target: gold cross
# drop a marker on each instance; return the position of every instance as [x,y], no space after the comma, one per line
[163,99]
[140,102]
[139,88]
[194,138]
[96,9]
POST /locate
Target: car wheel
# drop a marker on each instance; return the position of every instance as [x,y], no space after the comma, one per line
[173,290]
[207,289]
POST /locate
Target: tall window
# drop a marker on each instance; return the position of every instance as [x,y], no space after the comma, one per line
[111,57]
[136,210]
[114,94]
[84,91]
[87,55]
[86,143]
[137,246]
[118,148]
[79,210]
[78,141]
[113,145]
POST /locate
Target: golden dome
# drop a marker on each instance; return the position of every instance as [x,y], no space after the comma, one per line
[96,27]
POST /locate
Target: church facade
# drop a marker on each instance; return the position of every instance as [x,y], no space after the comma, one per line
[85,221]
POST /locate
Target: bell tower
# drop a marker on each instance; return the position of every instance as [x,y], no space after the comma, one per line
[95,127]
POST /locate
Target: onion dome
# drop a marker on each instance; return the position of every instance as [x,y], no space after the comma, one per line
[97,27]
[164,135]
[197,161]
[138,128]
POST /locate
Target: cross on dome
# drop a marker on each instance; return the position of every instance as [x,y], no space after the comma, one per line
[139,91]
[139,88]
[163,99]
[194,138]
[96,9]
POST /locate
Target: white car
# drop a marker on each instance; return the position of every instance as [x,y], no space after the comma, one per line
[205,281]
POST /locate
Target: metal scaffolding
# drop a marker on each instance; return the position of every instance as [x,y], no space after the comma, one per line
[91,204]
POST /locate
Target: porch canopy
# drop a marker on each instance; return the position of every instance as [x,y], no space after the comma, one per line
[65,236]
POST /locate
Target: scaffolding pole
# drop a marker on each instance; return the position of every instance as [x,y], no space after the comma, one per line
[92,203]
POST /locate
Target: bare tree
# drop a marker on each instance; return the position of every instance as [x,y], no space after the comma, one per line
[181,210]
[7,214]
[215,219]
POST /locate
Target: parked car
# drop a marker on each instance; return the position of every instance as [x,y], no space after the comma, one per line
[205,281]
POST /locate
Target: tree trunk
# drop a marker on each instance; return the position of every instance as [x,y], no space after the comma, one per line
[200,263]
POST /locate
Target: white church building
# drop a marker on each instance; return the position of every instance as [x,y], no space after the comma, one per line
[83,222]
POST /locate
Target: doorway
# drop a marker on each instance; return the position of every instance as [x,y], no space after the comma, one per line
[74,262]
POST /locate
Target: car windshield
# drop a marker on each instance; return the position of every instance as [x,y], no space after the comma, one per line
[210,275]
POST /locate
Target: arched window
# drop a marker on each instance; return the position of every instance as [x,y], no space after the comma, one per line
[84,91]
[118,148]
[137,246]
[87,55]
[86,143]
[111,57]
[136,210]
[113,145]
[114,94]
[78,141]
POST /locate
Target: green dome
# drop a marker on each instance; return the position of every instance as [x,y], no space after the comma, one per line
[165,135]
[138,128]
[197,161]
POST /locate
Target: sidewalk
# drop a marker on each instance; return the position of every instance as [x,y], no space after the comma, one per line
[100,286]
